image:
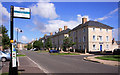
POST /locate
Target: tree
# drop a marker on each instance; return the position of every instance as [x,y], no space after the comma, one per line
[5,37]
[67,43]
[29,46]
[48,43]
[38,44]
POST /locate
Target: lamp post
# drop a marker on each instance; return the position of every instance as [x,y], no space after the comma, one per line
[18,30]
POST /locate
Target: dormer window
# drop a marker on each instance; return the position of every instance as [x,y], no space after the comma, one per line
[93,29]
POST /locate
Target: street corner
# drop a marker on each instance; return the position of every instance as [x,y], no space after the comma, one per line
[107,62]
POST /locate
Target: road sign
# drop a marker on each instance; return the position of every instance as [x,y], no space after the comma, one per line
[14,58]
[20,12]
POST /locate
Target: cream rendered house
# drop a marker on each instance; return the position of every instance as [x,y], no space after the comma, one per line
[92,36]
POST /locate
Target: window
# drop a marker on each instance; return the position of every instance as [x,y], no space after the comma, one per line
[79,40]
[106,38]
[84,30]
[83,47]
[93,37]
[73,33]
[84,39]
[94,47]
[100,38]
[80,47]
[107,46]
[107,30]
[93,29]
[100,29]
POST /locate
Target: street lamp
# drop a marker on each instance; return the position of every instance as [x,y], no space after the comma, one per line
[18,30]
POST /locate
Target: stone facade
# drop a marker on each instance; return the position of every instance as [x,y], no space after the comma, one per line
[93,38]
[57,39]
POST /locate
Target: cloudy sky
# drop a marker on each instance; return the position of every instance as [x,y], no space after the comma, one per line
[48,16]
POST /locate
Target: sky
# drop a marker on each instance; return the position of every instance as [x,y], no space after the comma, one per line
[48,16]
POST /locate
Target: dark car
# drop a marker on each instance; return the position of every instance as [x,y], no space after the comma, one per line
[116,52]
[54,51]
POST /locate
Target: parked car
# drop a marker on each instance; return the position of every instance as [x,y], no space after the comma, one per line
[4,56]
[54,51]
[116,52]
[35,49]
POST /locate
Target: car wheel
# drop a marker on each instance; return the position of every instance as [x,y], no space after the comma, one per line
[3,59]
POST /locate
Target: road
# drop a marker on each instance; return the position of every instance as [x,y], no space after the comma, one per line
[68,64]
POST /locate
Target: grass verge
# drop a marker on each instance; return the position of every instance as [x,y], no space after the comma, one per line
[41,51]
[110,57]
[64,54]
[8,73]
[21,55]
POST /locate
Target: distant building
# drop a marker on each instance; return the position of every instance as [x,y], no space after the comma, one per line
[21,46]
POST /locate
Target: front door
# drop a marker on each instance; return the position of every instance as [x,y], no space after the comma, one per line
[100,47]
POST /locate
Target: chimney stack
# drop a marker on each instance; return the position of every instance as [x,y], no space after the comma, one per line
[60,29]
[51,33]
[40,38]
[45,35]
[65,27]
[84,20]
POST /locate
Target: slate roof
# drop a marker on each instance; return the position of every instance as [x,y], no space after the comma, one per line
[93,24]
[63,32]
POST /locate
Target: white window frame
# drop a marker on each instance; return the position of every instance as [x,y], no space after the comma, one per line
[107,46]
[100,38]
[94,38]
[107,38]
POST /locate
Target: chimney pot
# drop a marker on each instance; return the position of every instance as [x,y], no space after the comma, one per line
[84,20]
[60,29]
[45,35]
[51,33]
[65,27]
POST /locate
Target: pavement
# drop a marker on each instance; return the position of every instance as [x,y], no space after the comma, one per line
[68,64]
[107,62]
[44,63]
[26,67]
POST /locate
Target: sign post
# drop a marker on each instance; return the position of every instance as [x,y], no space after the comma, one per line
[16,12]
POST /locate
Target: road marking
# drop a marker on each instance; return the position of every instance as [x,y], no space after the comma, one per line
[18,61]
[44,70]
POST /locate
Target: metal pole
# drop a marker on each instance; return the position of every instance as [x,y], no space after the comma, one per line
[17,37]
[12,70]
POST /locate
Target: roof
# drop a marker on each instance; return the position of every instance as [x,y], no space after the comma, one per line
[63,32]
[93,24]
